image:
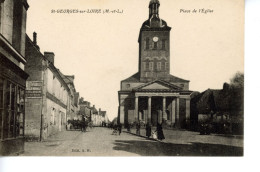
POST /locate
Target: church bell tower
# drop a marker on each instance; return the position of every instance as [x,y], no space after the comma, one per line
[154,46]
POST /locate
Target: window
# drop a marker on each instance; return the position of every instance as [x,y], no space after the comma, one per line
[155,45]
[20,112]
[147,44]
[0,31]
[144,65]
[166,66]
[52,117]
[1,104]
[163,44]
[11,109]
[53,86]
[147,66]
[12,112]
[151,66]
[158,66]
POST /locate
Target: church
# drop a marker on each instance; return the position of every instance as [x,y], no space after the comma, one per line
[153,95]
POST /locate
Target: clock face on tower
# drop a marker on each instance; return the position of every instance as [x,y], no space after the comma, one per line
[155,39]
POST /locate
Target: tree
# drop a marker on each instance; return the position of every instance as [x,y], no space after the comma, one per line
[237,81]
[237,94]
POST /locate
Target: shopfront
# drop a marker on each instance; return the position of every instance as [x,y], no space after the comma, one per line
[11,115]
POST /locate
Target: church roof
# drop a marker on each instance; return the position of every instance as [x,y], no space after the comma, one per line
[177,79]
[136,78]
[163,25]
[161,82]
[133,78]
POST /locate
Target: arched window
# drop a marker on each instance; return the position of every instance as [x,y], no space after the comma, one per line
[155,45]
[147,44]
[163,44]
[144,66]
[151,66]
[159,66]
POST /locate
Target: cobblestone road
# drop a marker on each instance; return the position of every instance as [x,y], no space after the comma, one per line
[100,142]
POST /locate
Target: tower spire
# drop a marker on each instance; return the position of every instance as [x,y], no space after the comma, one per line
[154,8]
[154,18]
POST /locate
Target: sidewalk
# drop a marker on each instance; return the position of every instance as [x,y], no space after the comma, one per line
[189,137]
[51,146]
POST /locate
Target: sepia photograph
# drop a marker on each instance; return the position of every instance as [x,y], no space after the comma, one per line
[122,78]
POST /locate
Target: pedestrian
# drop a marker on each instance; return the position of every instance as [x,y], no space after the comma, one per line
[119,128]
[86,126]
[148,130]
[138,128]
[83,124]
[115,129]
[128,127]
[160,134]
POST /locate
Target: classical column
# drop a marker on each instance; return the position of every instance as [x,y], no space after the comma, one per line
[136,108]
[187,113]
[178,112]
[173,111]
[164,114]
[149,109]
[140,116]
[122,111]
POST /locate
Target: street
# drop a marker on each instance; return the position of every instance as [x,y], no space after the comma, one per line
[100,142]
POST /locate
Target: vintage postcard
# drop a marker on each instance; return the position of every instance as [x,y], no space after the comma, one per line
[122,78]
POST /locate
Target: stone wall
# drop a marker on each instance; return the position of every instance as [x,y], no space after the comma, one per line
[33,118]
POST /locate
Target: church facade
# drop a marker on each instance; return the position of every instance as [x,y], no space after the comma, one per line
[153,95]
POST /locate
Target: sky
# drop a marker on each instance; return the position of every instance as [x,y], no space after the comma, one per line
[102,49]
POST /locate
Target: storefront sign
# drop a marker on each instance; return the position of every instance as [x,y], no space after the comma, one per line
[33,89]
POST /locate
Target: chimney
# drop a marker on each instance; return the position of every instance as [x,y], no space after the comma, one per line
[81,100]
[99,110]
[35,38]
[49,56]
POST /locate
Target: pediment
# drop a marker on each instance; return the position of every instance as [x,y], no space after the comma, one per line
[155,86]
[158,85]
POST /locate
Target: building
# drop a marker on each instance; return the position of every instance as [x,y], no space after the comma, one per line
[12,75]
[221,108]
[153,95]
[73,108]
[47,94]
[95,117]
[98,118]
[85,109]
[104,117]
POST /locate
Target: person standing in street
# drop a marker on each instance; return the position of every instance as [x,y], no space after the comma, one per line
[138,128]
[119,128]
[148,130]
[160,132]
[83,124]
